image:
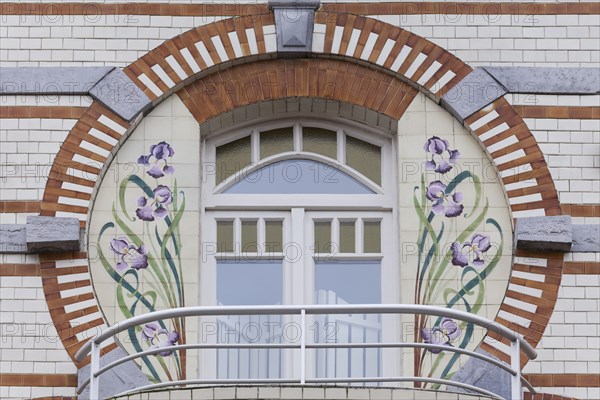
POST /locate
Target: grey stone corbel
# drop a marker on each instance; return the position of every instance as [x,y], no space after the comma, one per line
[126,376]
[556,233]
[484,375]
[294,24]
[474,92]
[553,233]
[41,235]
[117,92]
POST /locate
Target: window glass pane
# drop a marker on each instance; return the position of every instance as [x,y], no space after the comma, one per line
[273,236]
[372,236]
[224,236]
[323,237]
[298,176]
[232,157]
[361,283]
[347,237]
[364,157]
[320,141]
[348,282]
[249,237]
[276,141]
[249,283]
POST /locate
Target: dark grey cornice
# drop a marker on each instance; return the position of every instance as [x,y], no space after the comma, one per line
[486,84]
[113,88]
[109,85]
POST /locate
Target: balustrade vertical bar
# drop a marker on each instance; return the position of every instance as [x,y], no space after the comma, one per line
[302,346]
[94,367]
[515,363]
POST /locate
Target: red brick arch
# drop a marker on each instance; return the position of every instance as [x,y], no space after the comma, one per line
[379,67]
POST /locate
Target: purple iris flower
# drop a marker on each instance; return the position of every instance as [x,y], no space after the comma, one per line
[439,150]
[160,152]
[159,338]
[162,197]
[444,333]
[130,254]
[446,204]
[475,248]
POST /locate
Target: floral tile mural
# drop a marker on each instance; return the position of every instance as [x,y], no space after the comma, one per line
[154,260]
[459,259]
[140,231]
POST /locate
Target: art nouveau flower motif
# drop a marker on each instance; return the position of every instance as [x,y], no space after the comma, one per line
[130,255]
[444,333]
[162,197]
[159,167]
[159,338]
[474,249]
[446,204]
[439,148]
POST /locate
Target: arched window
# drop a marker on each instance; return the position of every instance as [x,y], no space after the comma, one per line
[299,212]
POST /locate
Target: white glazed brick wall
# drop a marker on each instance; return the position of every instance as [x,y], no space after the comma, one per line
[28,147]
[561,40]
[29,342]
[572,150]
[523,40]
[571,342]
[21,392]
[76,40]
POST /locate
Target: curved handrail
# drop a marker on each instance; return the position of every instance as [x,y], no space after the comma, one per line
[314,381]
[429,346]
[199,311]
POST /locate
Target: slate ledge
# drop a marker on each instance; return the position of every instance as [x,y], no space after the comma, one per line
[108,85]
[556,233]
[41,235]
[484,85]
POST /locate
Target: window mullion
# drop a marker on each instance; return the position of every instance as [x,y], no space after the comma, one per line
[297,137]
[237,236]
[360,245]
[255,146]
[335,236]
[261,236]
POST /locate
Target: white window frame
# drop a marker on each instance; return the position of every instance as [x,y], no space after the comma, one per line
[297,210]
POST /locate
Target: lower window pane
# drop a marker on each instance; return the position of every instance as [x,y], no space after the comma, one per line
[249,283]
[361,284]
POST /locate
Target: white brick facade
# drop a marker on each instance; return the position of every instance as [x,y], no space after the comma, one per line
[29,341]
[571,343]
[28,146]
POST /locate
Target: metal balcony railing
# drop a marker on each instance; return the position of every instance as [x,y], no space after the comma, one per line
[518,344]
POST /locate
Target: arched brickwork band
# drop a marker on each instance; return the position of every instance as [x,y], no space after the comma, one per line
[340,80]
[378,66]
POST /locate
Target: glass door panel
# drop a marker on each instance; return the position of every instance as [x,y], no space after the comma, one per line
[248,269]
[348,259]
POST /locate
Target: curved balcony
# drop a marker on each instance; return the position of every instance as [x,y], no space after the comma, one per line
[518,345]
